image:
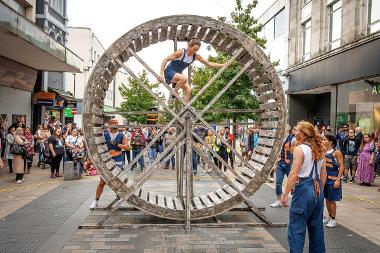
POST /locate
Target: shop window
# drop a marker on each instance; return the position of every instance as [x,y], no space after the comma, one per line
[335,18]
[306,37]
[373,16]
[359,105]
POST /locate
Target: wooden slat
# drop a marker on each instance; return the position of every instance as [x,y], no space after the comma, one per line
[178,204]
[138,44]
[105,157]
[183,32]
[248,172]
[256,165]
[270,114]
[111,165]
[116,171]
[259,158]
[263,88]
[198,203]
[227,41]
[99,140]
[268,95]
[239,185]
[146,40]
[202,32]
[263,150]
[269,106]
[152,198]
[161,201]
[222,194]
[266,141]
[154,36]
[269,124]
[193,31]
[230,190]
[169,202]
[233,46]
[210,35]
[218,39]
[97,120]
[173,31]
[163,33]
[214,198]
[97,130]
[268,133]
[206,201]
[144,195]
[102,148]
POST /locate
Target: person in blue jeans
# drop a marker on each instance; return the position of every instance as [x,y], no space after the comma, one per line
[153,150]
[179,61]
[307,178]
[283,165]
[138,143]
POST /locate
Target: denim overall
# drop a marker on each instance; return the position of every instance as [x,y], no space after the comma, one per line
[332,169]
[176,66]
[118,139]
[306,210]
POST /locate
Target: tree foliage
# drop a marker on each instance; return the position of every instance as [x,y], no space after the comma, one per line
[136,98]
[240,95]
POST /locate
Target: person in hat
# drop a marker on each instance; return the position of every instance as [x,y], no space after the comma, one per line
[116,142]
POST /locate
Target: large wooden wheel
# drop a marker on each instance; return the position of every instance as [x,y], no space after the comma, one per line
[238,184]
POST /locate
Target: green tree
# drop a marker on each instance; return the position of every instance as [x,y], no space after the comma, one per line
[240,95]
[136,98]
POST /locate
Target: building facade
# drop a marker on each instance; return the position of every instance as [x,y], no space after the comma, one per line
[334,62]
[86,44]
[51,16]
[25,50]
[275,21]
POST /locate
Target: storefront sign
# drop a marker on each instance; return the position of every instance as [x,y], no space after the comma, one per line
[45,102]
[68,112]
[375,86]
[46,95]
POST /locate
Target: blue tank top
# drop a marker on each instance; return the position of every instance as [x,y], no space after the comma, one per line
[118,139]
[332,167]
[286,155]
[179,65]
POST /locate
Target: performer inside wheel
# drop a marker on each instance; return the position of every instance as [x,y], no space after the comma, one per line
[179,61]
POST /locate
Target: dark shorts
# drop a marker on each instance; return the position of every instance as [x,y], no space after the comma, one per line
[169,74]
[331,193]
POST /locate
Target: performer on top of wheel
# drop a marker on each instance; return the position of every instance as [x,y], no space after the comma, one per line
[179,61]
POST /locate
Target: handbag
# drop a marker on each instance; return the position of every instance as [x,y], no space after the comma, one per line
[16,149]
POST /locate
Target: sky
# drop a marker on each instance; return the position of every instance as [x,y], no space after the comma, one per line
[110,19]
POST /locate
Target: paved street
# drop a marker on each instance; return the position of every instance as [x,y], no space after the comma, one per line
[43,215]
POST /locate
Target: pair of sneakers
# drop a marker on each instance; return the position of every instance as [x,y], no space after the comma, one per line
[329,222]
[276,204]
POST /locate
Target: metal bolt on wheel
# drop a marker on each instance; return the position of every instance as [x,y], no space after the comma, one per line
[238,185]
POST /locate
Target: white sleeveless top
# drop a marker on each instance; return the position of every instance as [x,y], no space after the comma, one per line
[308,162]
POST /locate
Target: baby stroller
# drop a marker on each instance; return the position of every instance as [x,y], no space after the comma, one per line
[46,155]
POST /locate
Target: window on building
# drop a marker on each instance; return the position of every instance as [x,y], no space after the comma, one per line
[305,2]
[306,36]
[335,16]
[57,5]
[374,16]
[275,27]
[279,23]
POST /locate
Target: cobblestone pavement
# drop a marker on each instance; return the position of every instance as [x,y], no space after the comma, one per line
[49,223]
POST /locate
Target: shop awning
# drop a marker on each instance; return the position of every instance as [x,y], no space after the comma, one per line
[109,109]
[24,42]
[63,94]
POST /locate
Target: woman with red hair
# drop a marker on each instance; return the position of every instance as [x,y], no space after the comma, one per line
[307,178]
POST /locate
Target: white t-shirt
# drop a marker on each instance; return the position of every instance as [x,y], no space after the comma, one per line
[73,140]
[308,162]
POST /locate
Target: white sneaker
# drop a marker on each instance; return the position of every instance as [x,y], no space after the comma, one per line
[331,224]
[326,220]
[18,182]
[276,204]
[94,205]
